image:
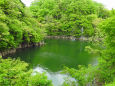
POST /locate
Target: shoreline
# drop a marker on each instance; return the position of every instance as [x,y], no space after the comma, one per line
[69,37]
[13,50]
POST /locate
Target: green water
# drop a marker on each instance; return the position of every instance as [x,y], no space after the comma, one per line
[56,54]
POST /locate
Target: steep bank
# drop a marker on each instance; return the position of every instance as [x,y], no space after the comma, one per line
[13,50]
[18,29]
[69,37]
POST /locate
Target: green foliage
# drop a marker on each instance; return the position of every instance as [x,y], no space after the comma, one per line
[16,31]
[104,72]
[107,60]
[103,13]
[112,12]
[69,83]
[83,75]
[111,84]
[17,25]
[14,74]
[6,40]
[67,17]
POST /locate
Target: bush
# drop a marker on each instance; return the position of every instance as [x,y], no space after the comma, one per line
[16,73]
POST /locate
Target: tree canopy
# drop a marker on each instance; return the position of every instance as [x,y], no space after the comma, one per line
[17,25]
[67,17]
[28,25]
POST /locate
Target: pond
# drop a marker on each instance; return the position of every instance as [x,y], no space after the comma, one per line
[54,55]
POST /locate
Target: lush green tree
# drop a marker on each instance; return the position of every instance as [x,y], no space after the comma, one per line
[104,72]
[3,36]
[17,26]
[107,60]
[67,17]
[14,74]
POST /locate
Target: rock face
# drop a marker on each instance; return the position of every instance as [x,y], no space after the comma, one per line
[10,51]
[13,50]
[62,37]
[0,54]
[68,37]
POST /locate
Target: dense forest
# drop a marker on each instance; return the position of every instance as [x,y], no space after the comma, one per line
[21,25]
[68,17]
[17,26]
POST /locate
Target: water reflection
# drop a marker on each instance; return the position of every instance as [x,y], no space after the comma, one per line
[57,78]
[56,54]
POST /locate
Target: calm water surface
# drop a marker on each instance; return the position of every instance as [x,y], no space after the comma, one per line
[52,57]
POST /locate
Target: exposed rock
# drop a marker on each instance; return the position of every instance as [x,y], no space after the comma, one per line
[61,37]
[6,52]
[0,54]
[68,37]
[11,51]
[41,43]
